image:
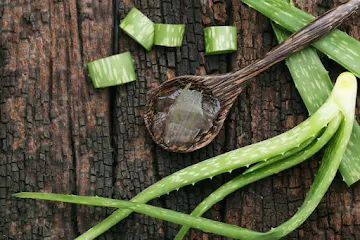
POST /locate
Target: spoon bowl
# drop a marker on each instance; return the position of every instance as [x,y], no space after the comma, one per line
[199,83]
[226,87]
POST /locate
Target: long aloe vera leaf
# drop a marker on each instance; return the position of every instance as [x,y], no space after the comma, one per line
[337,45]
[156,212]
[260,173]
[176,217]
[165,214]
[224,163]
[343,95]
[314,85]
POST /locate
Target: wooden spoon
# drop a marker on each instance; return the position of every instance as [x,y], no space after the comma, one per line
[226,87]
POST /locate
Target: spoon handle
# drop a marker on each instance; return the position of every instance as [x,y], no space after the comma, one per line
[229,84]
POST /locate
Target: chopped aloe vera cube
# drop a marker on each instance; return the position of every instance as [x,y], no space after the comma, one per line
[220,40]
[139,27]
[169,35]
[114,70]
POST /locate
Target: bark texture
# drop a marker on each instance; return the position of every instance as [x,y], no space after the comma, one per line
[59,134]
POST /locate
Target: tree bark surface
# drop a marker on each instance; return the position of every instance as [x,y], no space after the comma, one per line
[59,134]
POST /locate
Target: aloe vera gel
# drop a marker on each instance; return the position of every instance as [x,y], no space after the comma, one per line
[184,115]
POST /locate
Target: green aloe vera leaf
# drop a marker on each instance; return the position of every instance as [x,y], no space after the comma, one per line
[156,212]
[343,95]
[225,163]
[337,45]
[164,214]
[314,85]
[260,173]
[331,161]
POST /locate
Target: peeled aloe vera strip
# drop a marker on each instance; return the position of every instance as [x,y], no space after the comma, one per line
[225,163]
[139,27]
[220,40]
[314,85]
[169,35]
[246,178]
[282,156]
[114,70]
[337,45]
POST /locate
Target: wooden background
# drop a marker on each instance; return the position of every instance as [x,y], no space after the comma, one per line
[59,134]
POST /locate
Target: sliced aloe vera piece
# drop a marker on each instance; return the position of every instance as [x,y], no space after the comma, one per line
[114,70]
[169,35]
[220,40]
[139,27]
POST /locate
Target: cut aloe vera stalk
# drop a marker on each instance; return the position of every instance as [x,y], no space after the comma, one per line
[169,35]
[139,27]
[113,70]
[220,40]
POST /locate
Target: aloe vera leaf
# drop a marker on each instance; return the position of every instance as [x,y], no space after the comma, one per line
[331,160]
[224,163]
[337,45]
[343,95]
[282,156]
[324,177]
[156,212]
[188,220]
[260,173]
[314,85]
